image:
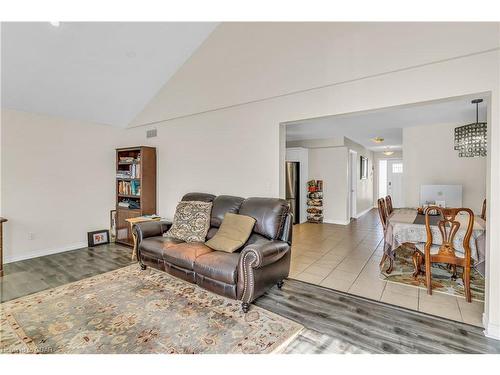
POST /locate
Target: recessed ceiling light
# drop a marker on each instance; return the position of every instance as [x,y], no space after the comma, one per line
[55,23]
[378,139]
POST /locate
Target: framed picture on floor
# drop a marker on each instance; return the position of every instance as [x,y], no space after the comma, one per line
[363,168]
[98,237]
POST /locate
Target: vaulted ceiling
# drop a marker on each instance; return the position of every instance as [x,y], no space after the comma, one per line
[101,72]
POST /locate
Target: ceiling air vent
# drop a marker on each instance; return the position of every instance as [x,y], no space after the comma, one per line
[151,133]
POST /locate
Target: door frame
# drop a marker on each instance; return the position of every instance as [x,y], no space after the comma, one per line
[353,184]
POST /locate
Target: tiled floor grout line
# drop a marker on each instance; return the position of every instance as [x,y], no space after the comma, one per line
[335,267]
[459,309]
[357,277]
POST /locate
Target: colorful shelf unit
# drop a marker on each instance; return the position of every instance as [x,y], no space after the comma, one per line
[135,188]
[315,201]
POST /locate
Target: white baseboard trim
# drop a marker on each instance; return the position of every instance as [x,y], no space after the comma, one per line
[43,252]
[492,330]
[339,222]
[364,212]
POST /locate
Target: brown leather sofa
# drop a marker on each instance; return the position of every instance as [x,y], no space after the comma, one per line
[243,275]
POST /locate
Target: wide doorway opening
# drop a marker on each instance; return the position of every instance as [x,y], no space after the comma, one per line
[410,157]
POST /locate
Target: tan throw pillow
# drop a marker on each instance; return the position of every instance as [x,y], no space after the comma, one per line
[233,233]
[191,221]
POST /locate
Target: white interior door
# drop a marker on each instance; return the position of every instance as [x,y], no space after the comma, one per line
[395,181]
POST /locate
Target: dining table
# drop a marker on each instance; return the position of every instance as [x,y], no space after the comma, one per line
[407,225]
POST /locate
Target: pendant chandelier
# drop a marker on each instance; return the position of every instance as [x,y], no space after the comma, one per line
[471,140]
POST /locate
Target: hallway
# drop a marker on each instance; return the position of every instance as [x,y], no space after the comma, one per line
[346,258]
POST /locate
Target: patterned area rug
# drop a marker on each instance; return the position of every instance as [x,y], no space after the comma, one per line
[441,276]
[134,311]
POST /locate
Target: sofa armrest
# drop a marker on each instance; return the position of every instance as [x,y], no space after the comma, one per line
[151,229]
[257,269]
[261,254]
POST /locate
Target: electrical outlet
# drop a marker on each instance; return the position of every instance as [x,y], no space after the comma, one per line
[31,236]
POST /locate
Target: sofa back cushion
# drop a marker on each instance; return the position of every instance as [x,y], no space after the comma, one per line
[269,215]
[200,197]
[224,204]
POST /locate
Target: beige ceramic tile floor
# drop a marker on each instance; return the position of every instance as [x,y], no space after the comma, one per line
[346,258]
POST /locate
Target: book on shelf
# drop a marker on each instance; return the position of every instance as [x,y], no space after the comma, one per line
[129,187]
[133,172]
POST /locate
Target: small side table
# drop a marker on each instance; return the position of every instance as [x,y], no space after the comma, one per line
[134,220]
[2,220]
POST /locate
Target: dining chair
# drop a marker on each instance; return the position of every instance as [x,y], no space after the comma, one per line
[446,252]
[388,204]
[483,210]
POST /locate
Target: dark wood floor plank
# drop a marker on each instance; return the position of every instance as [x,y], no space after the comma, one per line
[372,326]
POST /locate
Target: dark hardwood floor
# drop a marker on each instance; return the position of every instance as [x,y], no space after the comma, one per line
[337,322]
[37,274]
[334,322]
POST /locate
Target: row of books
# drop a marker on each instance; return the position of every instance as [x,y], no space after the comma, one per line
[133,172]
[129,187]
[130,159]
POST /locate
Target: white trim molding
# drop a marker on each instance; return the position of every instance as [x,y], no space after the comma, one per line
[339,222]
[492,331]
[364,212]
[43,252]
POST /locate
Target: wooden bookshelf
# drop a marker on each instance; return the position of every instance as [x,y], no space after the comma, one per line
[135,184]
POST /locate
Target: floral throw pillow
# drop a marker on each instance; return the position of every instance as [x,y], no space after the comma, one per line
[191,221]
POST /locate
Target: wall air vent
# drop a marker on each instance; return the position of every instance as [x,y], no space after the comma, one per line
[151,133]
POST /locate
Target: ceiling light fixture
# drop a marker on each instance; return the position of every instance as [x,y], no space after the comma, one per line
[378,139]
[55,23]
[388,152]
[472,140]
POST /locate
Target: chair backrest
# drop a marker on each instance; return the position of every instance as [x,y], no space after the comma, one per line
[382,213]
[388,205]
[448,227]
[483,210]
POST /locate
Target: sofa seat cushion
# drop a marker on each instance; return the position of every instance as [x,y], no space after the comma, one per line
[154,246]
[218,265]
[184,254]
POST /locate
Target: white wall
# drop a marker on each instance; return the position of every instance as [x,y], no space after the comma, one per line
[301,155]
[57,182]
[246,62]
[330,165]
[316,143]
[429,159]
